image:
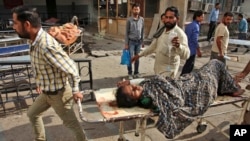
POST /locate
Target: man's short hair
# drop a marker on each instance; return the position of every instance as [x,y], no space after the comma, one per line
[163,14]
[197,13]
[228,14]
[135,5]
[240,15]
[217,4]
[173,9]
[30,14]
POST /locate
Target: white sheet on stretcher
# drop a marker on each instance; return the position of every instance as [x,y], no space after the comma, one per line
[106,102]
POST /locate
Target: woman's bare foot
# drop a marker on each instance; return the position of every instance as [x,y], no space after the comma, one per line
[238,93]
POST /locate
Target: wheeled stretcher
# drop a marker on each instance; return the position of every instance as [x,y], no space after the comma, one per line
[105,110]
[240,103]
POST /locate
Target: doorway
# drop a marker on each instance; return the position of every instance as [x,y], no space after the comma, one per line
[51,8]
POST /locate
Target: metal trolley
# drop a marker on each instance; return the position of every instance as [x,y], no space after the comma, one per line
[105,98]
[75,46]
[105,112]
[240,103]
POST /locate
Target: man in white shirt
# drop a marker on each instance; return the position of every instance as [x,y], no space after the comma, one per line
[169,50]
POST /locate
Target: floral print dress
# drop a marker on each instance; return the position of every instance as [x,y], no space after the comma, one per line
[180,101]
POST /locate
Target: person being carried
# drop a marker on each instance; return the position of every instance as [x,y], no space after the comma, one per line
[179,100]
[170,45]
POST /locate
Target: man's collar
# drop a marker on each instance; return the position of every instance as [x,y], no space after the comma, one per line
[37,36]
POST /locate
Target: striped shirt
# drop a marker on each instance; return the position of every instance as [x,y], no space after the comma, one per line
[51,65]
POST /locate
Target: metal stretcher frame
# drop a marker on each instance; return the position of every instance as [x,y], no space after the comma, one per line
[239,42]
[11,40]
[97,117]
[14,49]
[141,119]
[74,47]
[12,64]
[225,100]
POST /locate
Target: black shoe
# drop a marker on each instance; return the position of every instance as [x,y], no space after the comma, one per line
[235,50]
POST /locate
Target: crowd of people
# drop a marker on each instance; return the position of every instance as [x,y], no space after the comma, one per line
[53,68]
[184,45]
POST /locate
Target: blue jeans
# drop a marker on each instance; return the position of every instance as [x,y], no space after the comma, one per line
[134,49]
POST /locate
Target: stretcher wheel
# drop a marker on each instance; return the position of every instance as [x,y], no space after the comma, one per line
[122,139]
[201,128]
[137,134]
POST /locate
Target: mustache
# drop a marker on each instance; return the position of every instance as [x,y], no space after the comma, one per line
[169,25]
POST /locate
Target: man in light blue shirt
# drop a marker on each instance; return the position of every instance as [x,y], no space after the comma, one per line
[213,18]
[192,31]
[243,27]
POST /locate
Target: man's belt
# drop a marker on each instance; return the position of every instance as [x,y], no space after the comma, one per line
[54,92]
[135,40]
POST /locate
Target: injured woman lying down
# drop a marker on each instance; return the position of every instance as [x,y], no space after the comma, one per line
[180,100]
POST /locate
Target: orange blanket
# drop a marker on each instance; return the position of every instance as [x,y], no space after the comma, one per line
[65,34]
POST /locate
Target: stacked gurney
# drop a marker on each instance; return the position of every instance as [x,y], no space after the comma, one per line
[69,36]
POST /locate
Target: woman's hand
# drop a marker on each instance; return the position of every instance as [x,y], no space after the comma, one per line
[238,77]
[123,83]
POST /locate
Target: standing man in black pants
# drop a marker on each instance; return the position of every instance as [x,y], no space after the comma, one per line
[192,31]
[213,18]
